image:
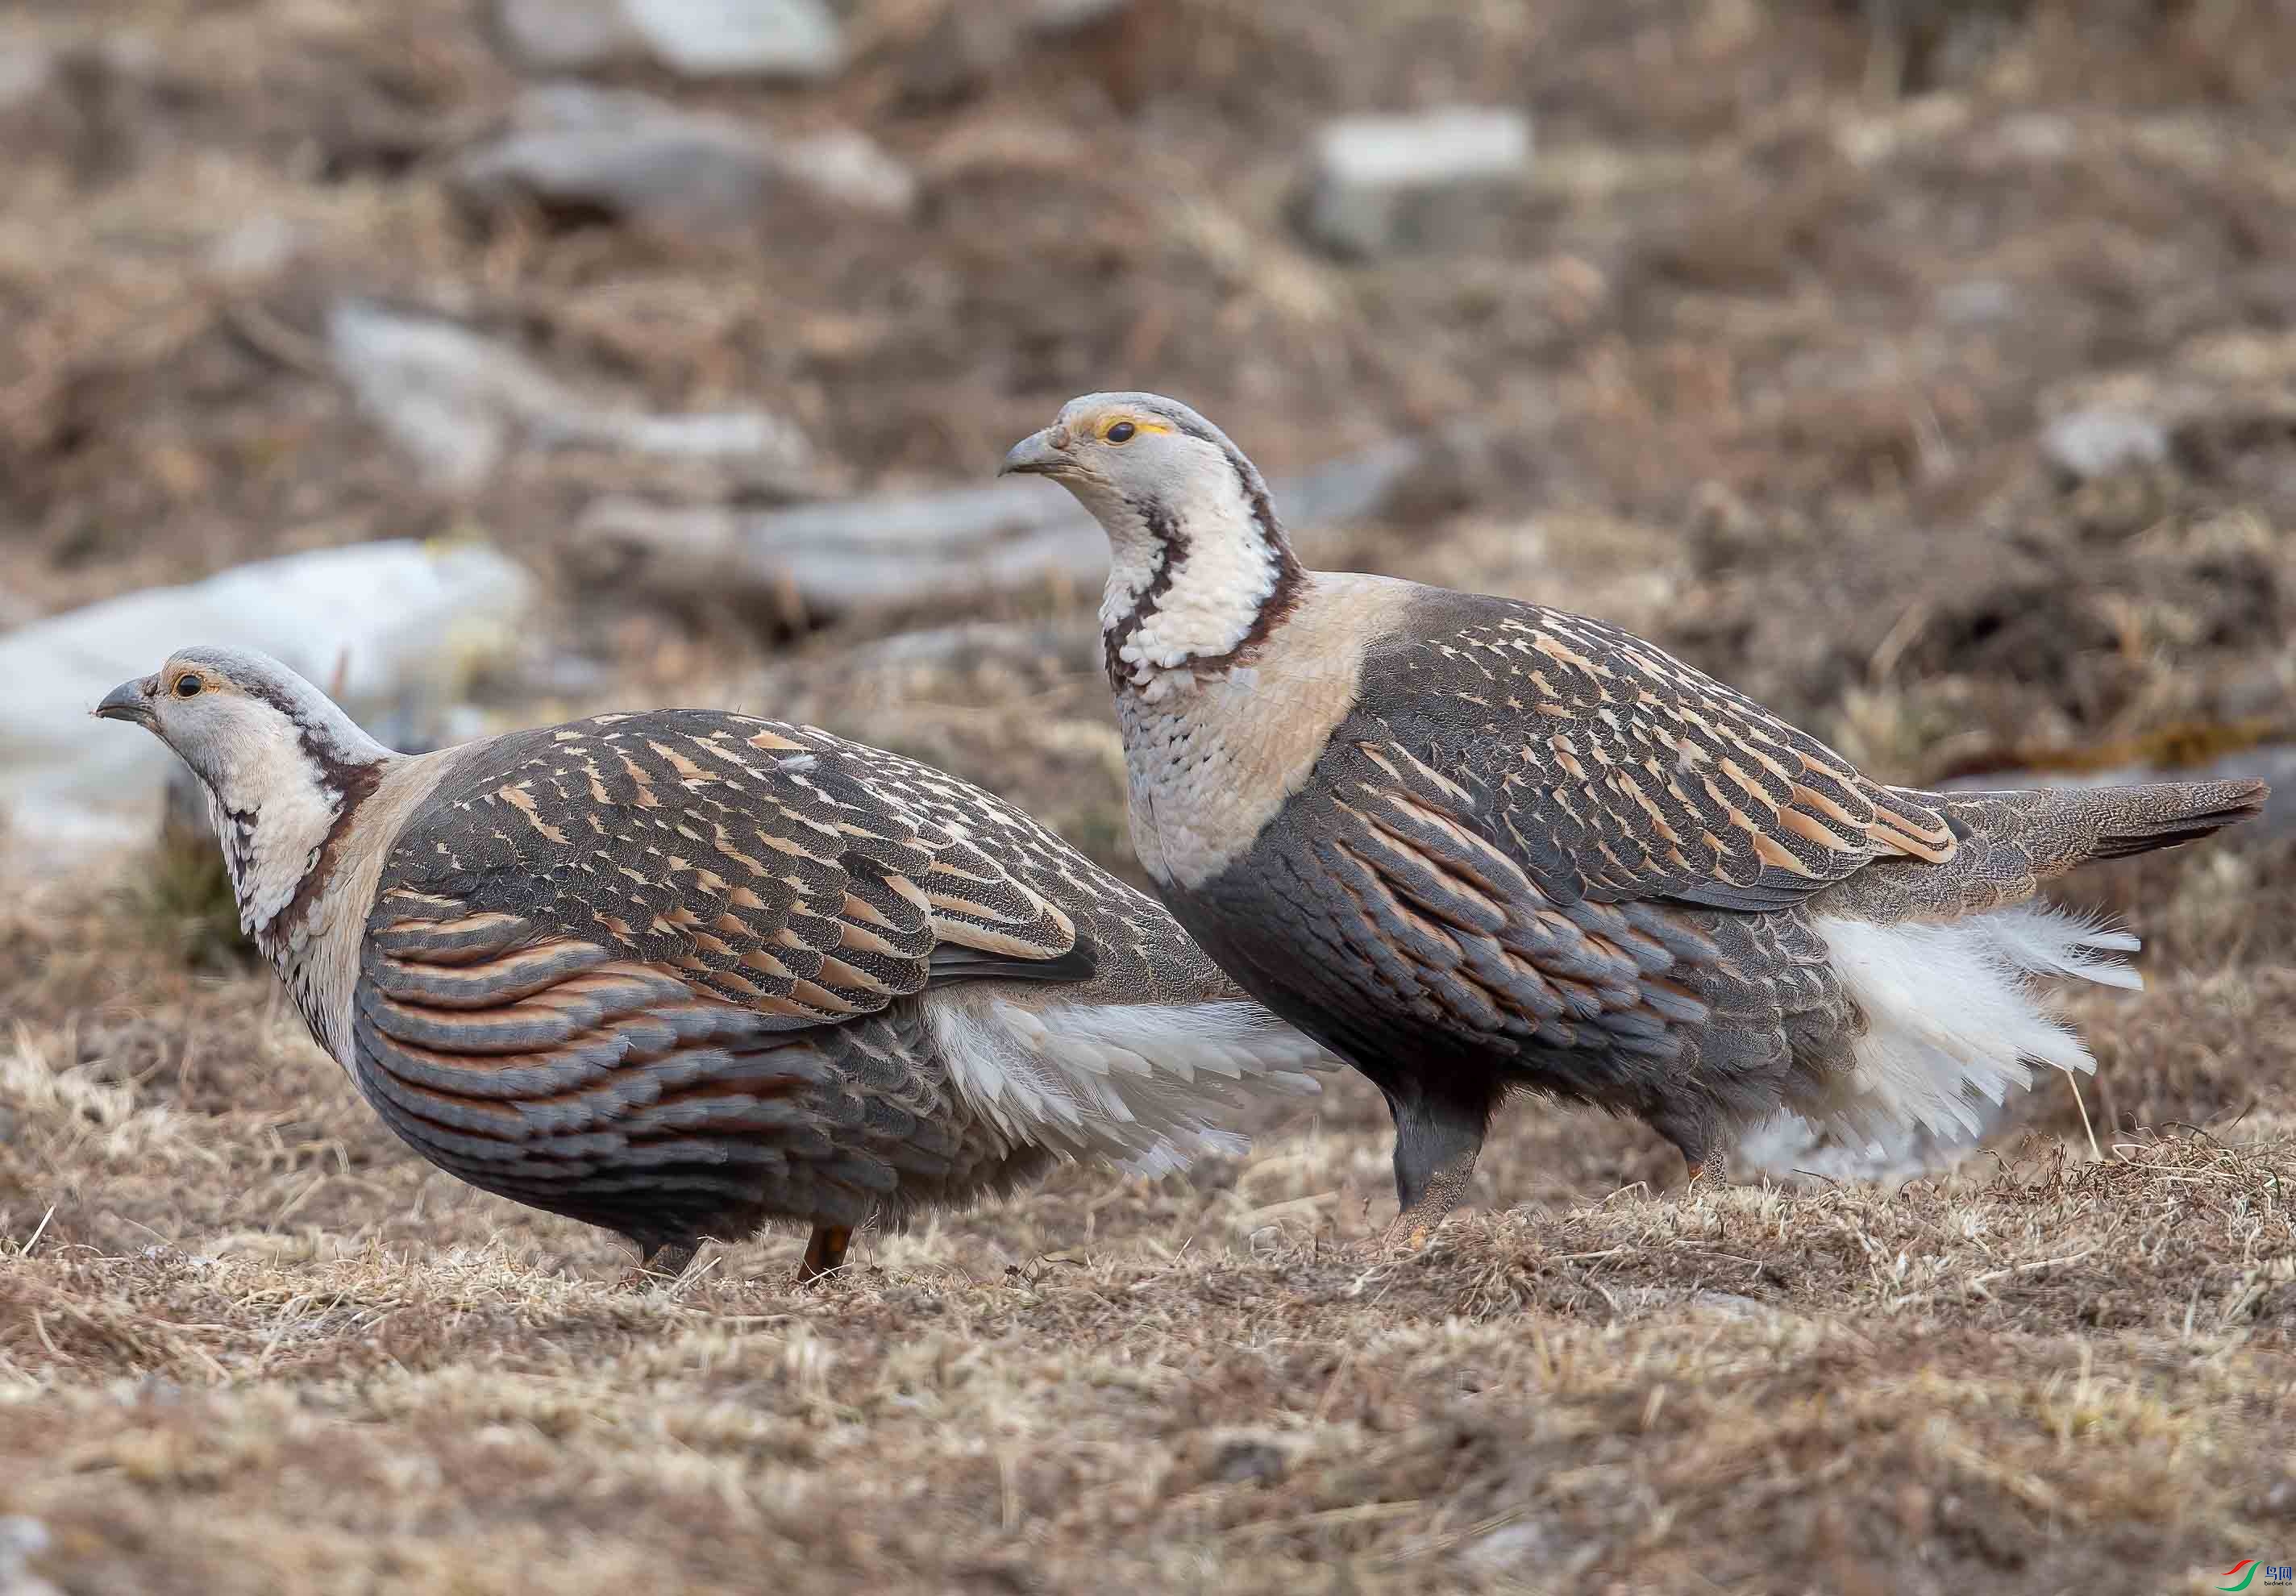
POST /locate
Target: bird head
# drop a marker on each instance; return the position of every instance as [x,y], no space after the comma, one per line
[246,725]
[1197,552]
[1131,453]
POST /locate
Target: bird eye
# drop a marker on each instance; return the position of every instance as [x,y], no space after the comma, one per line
[188,685]
[1122,432]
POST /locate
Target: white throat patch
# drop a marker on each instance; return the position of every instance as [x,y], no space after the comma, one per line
[1205,575]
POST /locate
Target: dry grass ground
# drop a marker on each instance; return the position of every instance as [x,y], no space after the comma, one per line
[249,1344]
[1758,362]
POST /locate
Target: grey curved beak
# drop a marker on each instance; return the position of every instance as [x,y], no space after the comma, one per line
[127,701]
[1036,454]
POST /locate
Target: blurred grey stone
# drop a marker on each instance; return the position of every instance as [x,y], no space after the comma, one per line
[625,154]
[1382,182]
[790,40]
[25,71]
[634,157]
[23,1538]
[458,402]
[1249,1462]
[903,547]
[1977,302]
[1065,18]
[2088,444]
[569,35]
[2041,137]
[255,247]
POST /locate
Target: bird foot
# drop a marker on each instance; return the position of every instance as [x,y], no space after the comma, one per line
[660,1267]
[1409,1232]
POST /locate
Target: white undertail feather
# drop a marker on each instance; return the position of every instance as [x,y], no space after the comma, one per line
[1152,1085]
[1954,1012]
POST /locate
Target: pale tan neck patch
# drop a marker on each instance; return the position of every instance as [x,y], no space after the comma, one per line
[320,963]
[1211,761]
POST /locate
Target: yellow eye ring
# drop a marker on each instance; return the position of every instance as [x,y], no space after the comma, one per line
[1119,432]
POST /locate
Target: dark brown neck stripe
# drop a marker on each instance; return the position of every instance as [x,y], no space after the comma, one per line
[1164,530]
[1282,599]
[353,785]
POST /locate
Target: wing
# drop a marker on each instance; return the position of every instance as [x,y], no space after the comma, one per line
[1690,1016]
[631,958]
[1455,932]
[758,862]
[1609,770]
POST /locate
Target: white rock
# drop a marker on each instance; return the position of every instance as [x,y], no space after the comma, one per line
[21,1538]
[458,402]
[2088,444]
[851,166]
[796,40]
[1379,179]
[742,38]
[398,618]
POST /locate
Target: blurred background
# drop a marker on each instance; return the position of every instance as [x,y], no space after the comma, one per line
[1926,368]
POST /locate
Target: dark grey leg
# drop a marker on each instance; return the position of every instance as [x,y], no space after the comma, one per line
[1690,1126]
[1436,1144]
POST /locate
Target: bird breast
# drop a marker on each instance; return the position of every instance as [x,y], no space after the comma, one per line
[1212,761]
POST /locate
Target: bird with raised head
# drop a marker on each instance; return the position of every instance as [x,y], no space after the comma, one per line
[678,973]
[1477,846]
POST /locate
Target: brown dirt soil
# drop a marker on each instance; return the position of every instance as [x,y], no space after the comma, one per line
[1758,363]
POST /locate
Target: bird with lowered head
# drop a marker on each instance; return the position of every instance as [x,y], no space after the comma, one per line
[678,973]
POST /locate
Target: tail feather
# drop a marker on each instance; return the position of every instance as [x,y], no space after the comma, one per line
[2008,843]
[2185,811]
[2060,828]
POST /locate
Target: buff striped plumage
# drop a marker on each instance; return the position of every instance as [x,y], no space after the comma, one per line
[680,972]
[615,968]
[1477,845]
